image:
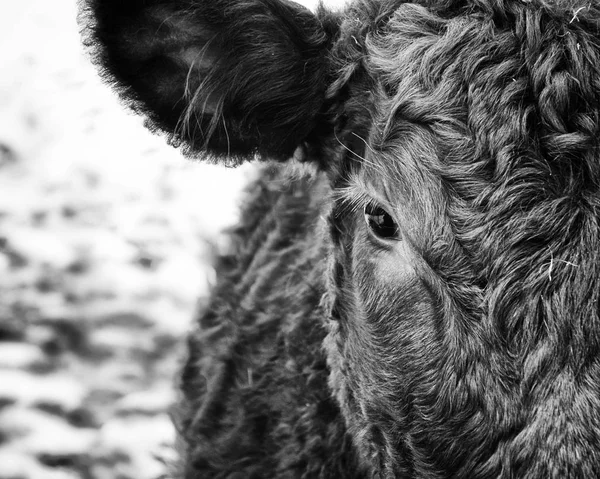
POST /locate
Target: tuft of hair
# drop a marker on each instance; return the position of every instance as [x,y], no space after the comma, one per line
[226,79]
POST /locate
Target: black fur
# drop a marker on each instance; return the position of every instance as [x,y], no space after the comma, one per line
[467,346]
[255,384]
[232,79]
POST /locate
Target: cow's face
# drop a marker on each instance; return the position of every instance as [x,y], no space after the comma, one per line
[386,311]
[461,141]
[404,296]
[455,346]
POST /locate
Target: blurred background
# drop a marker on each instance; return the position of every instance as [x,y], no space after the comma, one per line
[106,243]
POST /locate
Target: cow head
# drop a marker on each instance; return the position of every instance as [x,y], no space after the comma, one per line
[461,142]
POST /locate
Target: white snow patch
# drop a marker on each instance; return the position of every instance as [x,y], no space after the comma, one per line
[138,439]
[25,389]
[37,432]
[19,355]
[153,401]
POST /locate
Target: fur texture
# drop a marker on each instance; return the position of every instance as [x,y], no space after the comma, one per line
[466,345]
[255,384]
[230,79]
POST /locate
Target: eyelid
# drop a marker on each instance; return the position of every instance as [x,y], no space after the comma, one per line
[372,204]
[356,195]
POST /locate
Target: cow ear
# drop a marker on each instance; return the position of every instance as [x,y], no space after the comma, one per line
[233,79]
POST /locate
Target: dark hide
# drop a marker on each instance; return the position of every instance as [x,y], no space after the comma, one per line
[227,78]
[255,384]
[465,344]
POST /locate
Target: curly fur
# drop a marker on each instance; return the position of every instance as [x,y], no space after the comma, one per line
[232,79]
[467,347]
[255,384]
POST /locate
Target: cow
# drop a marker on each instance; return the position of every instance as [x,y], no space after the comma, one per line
[413,289]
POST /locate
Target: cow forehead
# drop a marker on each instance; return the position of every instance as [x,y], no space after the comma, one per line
[492,91]
[497,111]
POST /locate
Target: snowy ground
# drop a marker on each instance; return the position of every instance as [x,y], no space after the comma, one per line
[106,240]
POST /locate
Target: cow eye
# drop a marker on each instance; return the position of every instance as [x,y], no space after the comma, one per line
[380,222]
